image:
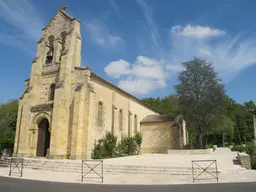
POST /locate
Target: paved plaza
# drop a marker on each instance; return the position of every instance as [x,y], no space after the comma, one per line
[230,171]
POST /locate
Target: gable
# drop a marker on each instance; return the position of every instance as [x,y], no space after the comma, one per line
[62,21]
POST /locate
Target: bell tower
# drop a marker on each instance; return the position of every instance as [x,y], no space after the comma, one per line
[48,91]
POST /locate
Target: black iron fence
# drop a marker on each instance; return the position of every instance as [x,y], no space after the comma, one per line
[16,166]
[204,166]
[92,166]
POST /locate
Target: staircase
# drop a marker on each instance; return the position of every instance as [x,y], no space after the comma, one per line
[76,167]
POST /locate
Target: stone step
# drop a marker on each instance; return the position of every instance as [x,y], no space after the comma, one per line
[107,168]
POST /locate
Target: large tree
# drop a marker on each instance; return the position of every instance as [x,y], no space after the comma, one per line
[201,96]
[8,118]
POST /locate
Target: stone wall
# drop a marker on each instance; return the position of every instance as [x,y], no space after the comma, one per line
[113,101]
[245,160]
[158,137]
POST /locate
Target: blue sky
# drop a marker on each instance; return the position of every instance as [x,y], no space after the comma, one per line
[138,44]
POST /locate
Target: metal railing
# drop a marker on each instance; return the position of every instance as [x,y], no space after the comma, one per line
[16,164]
[91,166]
[195,164]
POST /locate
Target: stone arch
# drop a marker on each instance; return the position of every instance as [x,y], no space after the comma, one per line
[34,130]
[38,118]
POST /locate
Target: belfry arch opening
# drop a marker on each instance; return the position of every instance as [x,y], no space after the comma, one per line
[43,141]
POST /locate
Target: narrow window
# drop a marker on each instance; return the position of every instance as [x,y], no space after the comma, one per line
[135,123]
[52,92]
[113,120]
[100,113]
[120,120]
[63,42]
[129,124]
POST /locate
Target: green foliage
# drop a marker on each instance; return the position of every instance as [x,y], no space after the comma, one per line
[167,105]
[109,143]
[108,146]
[8,119]
[250,149]
[239,148]
[130,145]
[138,138]
[98,151]
[201,96]
[105,147]
[225,126]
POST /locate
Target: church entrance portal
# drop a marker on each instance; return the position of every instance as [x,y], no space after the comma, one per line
[43,142]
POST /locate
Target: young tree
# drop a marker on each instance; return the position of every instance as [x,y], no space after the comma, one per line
[201,96]
[225,127]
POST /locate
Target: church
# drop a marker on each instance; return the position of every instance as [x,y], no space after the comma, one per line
[65,108]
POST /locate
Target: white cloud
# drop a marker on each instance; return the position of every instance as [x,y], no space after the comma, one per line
[100,35]
[140,77]
[196,31]
[117,68]
[229,54]
[140,86]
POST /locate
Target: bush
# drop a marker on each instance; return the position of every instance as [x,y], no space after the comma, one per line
[104,147]
[108,146]
[138,138]
[131,145]
[109,143]
[239,148]
[98,151]
[250,149]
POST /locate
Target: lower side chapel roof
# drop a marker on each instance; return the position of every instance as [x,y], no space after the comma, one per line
[157,118]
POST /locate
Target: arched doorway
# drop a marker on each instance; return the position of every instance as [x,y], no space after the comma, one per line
[43,141]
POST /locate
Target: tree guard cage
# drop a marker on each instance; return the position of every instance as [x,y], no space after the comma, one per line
[205,166]
[92,166]
[16,164]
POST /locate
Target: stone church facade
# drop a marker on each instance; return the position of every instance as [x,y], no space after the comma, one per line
[65,108]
